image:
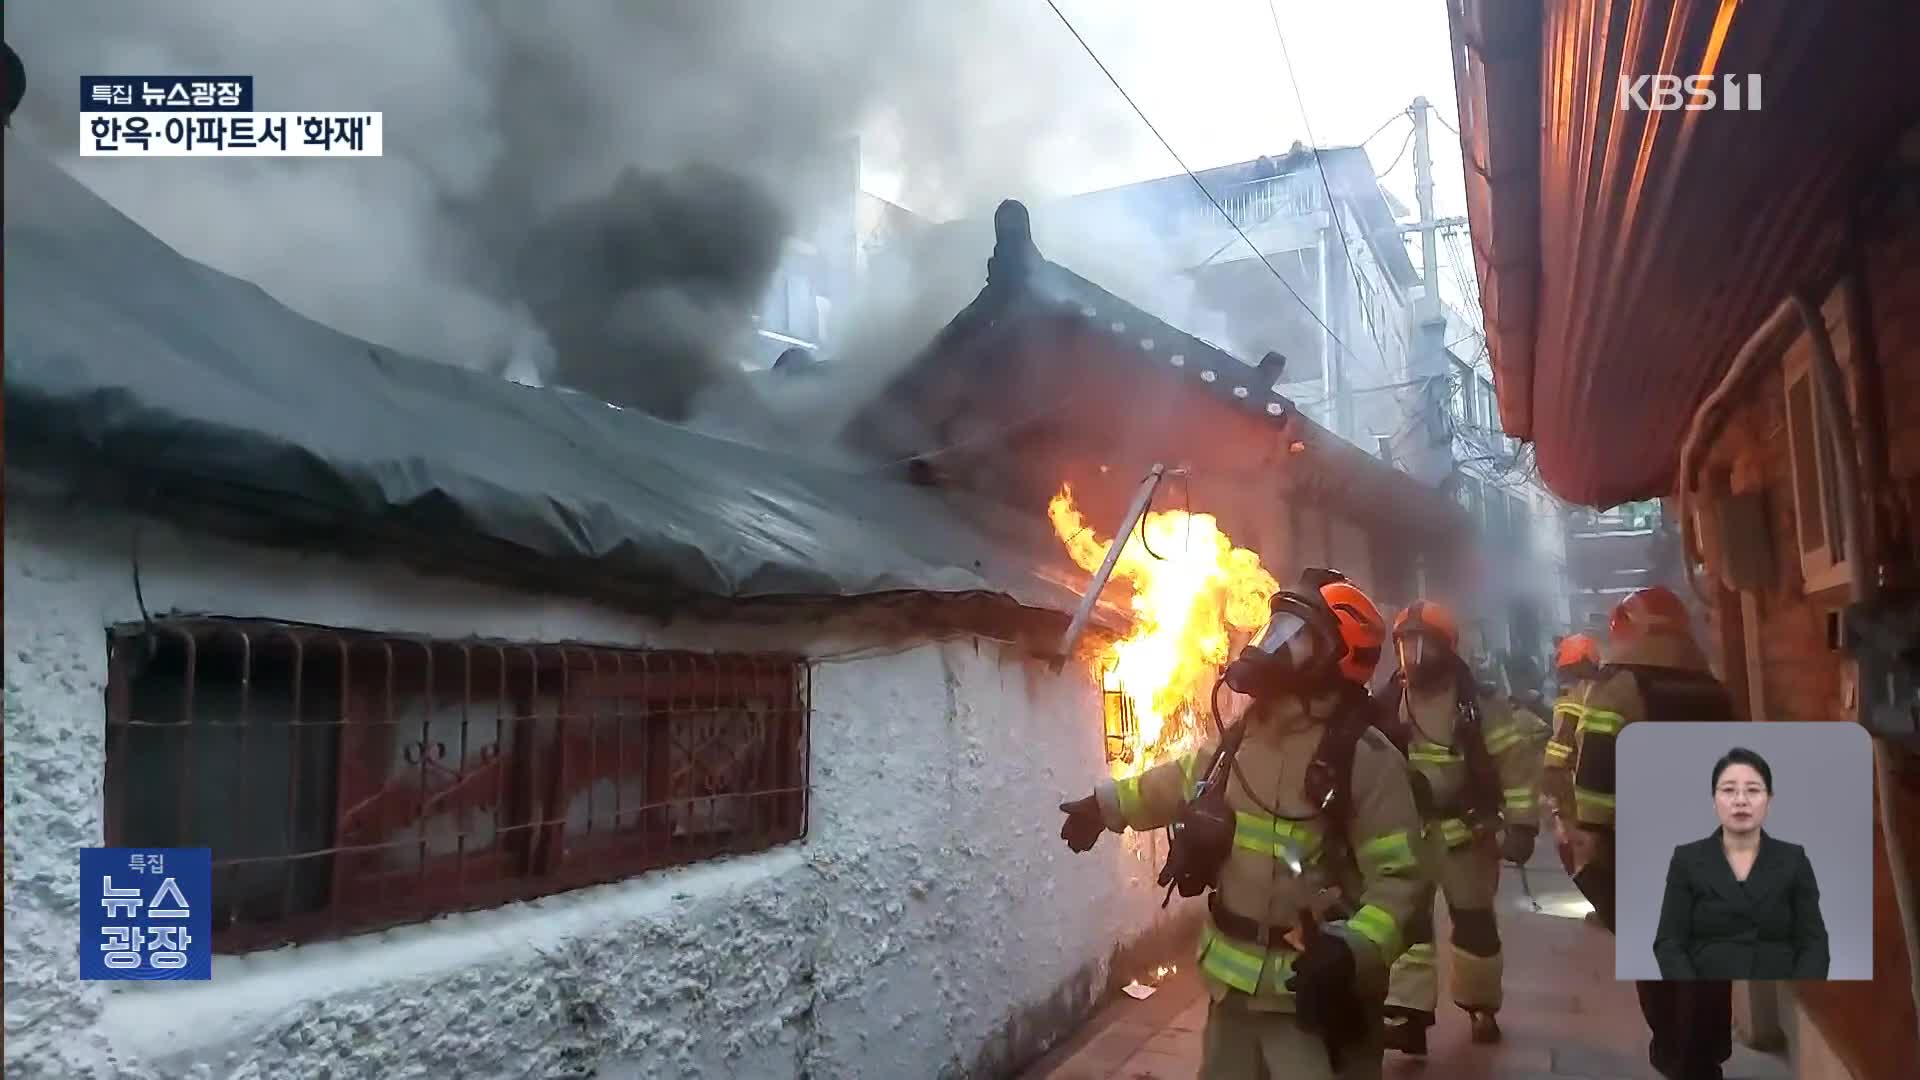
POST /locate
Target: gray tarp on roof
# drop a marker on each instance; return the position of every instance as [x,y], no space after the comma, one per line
[127,362]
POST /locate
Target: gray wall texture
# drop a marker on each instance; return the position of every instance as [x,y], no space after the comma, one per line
[1822,800]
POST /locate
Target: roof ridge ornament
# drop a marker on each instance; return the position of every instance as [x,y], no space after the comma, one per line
[1014,253]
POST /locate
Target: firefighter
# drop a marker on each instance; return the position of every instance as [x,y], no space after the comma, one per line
[1300,820]
[1576,663]
[1654,671]
[1475,767]
[1523,676]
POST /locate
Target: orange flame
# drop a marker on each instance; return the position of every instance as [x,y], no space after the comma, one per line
[1186,603]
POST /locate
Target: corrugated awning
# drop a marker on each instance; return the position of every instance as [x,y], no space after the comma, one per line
[1625,254]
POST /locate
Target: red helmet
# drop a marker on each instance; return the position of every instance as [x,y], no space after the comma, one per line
[1576,650]
[1426,638]
[1650,611]
[1362,629]
[1427,617]
[1324,626]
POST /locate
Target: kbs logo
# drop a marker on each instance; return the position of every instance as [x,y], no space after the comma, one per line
[1694,93]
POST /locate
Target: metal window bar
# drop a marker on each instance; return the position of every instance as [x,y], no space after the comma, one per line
[349,781]
[1122,725]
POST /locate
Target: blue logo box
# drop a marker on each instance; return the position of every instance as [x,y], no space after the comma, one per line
[166,93]
[146,913]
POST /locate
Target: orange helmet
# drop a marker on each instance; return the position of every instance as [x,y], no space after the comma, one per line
[1323,627]
[1426,639]
[1650,611]
[1576,650]
[1362,628]
[1427,617]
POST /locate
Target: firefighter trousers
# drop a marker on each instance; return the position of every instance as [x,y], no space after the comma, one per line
[1467,876]
[1249,1044]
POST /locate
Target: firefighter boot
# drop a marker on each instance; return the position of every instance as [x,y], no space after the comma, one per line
[1405,1029]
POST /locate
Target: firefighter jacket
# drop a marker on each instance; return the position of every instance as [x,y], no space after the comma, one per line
[1370,865]
[1438,753]
[1556,776]
[1652,677]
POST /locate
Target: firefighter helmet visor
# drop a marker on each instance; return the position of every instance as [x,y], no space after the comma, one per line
[1297,649]
[1423,656]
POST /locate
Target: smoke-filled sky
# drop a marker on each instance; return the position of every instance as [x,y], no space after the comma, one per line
[590,182]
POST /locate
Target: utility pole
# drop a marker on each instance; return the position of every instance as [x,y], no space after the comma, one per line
[1429,362]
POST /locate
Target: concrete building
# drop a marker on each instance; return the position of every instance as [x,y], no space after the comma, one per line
[1718,308]
[1340,319]
[531,736]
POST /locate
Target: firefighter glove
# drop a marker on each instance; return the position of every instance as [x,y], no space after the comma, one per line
[1084,823]
[1516,846]
[1325,997]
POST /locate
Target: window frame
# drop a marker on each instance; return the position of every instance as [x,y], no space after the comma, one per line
[1825,566]
[386,795]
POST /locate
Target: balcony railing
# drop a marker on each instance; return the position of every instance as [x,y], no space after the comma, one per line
[1260,201]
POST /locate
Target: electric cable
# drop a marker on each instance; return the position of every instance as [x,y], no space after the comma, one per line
[1404,143]
[1178,160]
[1333,209]
[1407,113]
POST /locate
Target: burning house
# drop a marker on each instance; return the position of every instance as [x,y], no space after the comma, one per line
[1049,388]
[530,735]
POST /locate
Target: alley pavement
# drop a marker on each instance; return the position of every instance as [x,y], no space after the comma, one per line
[1564,1016]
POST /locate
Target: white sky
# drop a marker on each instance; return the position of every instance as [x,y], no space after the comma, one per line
[1210,75]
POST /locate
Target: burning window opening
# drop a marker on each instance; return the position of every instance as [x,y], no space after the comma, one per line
[1193,591]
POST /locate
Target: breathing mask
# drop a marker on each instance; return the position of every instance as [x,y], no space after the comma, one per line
[1298,650]
[1425,657]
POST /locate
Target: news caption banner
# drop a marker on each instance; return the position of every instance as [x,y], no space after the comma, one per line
[146,913]
[210,116]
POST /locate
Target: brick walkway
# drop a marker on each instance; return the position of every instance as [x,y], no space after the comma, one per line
[1564,1016]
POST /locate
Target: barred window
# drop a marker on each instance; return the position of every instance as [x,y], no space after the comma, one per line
[348,781]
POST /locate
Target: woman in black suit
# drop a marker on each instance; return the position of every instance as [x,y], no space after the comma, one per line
[1741,904]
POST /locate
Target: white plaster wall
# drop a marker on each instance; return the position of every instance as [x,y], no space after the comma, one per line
[929,925]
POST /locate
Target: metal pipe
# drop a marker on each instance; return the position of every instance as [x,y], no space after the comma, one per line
[1699,429]
[1099,582]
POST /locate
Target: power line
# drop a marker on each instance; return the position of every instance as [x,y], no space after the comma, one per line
[1384,126]
[1333,208]
[1404,143]
[1178,160]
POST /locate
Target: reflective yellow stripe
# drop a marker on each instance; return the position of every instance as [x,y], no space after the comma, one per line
[1377,926]
[1600,722]
[1388,854]
[1190,766]
[1569,709]
[1592,806]
[1433,754]
[1273,837]
[1241,966]
[1559,753]
[1454,832]
[1126,792]
[1231,964]
[1421,955]
[1504,739]
[1519,798]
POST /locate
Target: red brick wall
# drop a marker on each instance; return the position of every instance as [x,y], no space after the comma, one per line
[1872,1025]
